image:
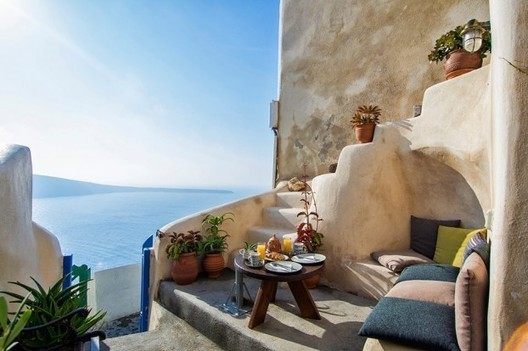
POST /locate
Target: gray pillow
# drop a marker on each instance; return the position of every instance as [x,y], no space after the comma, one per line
[424,233]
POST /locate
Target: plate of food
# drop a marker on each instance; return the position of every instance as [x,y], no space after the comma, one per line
[283,267]
[276,256]
[309,258]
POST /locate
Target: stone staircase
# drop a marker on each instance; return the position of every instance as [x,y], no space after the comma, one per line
[280,220]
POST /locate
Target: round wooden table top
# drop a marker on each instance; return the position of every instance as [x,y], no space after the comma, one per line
[263,274]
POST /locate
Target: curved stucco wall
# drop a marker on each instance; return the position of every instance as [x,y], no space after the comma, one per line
[336,55]
[27,249]
[414,167]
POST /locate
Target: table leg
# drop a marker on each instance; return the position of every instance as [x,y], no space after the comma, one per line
[304,300]
[264,295]
[274,293]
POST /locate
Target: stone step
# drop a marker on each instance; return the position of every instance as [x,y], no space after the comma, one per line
[281,217]
[342,314]
[263,234]
[289,199]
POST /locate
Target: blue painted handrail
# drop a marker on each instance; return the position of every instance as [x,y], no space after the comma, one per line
[145,281]
[67,266]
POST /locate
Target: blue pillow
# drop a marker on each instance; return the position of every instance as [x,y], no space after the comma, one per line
[438,272]
[421,324]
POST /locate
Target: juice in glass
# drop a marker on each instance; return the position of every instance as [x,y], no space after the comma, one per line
[287,244]
[261,249]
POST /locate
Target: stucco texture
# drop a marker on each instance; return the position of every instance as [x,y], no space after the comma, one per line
[31,251]
[336,55]
[418,167]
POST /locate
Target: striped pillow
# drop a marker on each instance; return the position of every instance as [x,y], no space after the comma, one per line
[473,242]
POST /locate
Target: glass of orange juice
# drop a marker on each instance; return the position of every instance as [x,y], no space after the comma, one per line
[286,245]
[261,249]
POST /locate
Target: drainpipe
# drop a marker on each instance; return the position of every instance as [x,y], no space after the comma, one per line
[274,125]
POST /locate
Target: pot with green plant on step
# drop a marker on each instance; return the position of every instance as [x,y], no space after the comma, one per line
[215,243]
[183,249]
[450,47]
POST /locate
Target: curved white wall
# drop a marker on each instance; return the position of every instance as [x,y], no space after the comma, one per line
[27,249]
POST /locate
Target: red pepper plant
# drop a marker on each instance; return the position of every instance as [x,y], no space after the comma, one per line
[308,230]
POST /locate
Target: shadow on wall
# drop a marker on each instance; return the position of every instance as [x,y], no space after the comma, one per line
[439,191]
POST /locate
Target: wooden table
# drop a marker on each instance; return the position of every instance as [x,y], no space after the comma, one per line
[268,290]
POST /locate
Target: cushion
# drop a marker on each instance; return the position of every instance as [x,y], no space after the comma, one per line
[425,290]
[439,272]
[424,232]
[459,256]
[475,240]
[449,241]
[396,261]
[471,300]
[415,323]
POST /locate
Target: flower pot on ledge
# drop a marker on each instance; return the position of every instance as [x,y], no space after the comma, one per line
[460,62]
[365,132]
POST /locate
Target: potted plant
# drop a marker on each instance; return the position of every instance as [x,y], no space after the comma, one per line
[450,46]
[247,248]
[9,330]
[58,319]
[308,230]
[183,249]
[215,243]
[364,122]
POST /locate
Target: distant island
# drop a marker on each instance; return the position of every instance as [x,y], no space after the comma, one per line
[45,186]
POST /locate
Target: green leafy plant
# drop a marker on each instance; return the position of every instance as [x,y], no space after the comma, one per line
[9,330]
[249,247]
[184,243]
[47,307]
[366,115]
[216,240]
[308,230]
[453,40]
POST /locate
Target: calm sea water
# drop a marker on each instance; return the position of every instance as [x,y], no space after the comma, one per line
[108,230]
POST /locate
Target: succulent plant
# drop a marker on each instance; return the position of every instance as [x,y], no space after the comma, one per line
[366,115]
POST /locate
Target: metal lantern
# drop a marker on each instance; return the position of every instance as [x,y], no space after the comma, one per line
[472,34]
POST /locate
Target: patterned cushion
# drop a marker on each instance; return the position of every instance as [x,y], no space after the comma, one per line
[424,233]
[473,242]
[471,300]
[459,257]
[396,261]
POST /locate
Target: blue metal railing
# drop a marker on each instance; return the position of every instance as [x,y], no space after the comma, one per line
[67,266]
[145,281]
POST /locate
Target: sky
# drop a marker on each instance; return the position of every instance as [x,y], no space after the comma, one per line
[171,93]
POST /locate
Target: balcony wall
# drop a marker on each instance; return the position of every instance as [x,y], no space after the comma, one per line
[31,250]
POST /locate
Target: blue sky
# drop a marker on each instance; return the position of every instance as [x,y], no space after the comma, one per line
[157,93]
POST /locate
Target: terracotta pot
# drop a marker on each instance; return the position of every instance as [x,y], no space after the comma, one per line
[365,132]
[185,270]
[214,265]
[460,61]
[312,281]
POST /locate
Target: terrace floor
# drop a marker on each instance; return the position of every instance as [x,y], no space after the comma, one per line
[197,318]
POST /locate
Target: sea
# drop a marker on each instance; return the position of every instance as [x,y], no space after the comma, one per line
[108,230]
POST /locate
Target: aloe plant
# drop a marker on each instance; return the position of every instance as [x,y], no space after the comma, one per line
[9,331]
[49,306]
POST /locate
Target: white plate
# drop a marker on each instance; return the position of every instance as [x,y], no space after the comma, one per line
[309,258]
[283,267]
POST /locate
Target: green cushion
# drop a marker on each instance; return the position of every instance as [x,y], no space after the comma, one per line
[448,242]
[459,257]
